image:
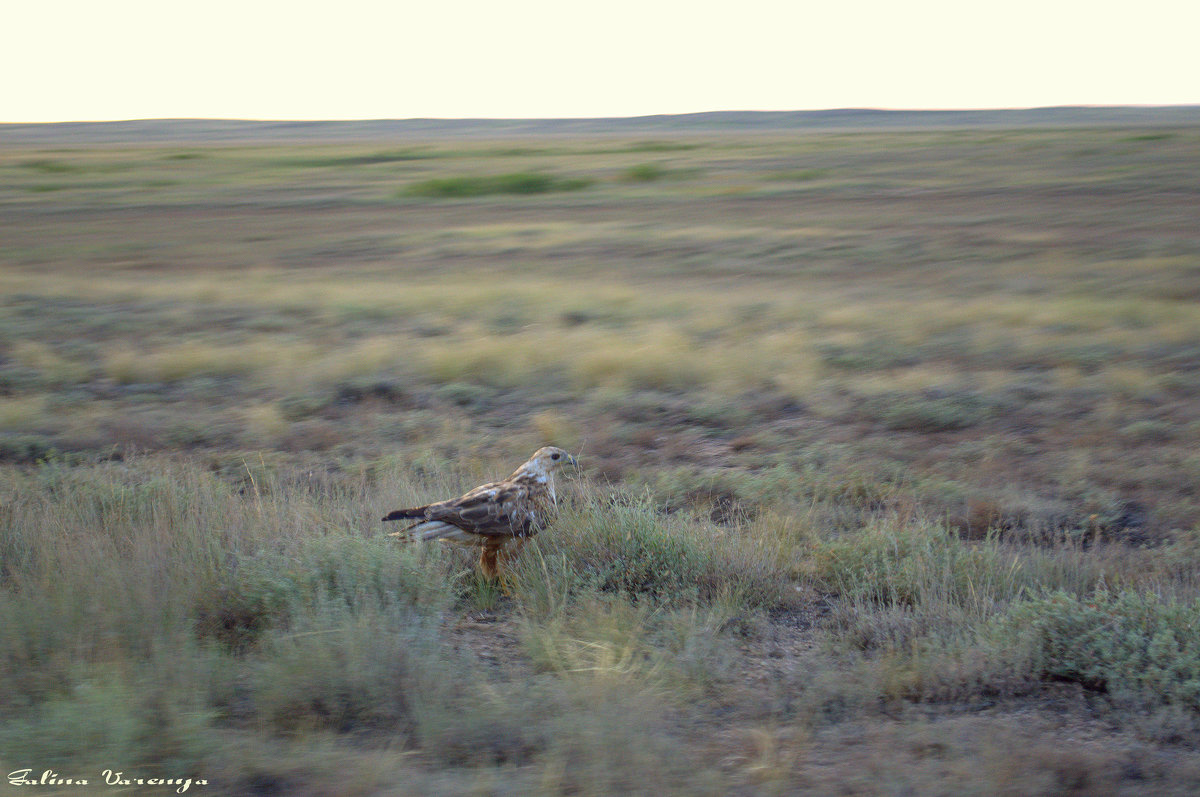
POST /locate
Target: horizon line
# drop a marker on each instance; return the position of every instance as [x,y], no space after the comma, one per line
[842,109]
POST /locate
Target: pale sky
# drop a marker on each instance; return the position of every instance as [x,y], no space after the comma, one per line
[366,59]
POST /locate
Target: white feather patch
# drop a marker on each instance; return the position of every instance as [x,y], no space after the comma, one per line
[437,530]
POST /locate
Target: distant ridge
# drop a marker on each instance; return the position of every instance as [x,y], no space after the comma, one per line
[169,131]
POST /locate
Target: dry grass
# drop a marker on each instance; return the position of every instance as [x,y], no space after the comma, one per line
[869,420]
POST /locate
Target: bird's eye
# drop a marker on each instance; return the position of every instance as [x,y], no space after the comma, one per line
[555,456]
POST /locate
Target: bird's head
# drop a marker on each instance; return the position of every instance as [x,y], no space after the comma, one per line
[551,458]
[544,462]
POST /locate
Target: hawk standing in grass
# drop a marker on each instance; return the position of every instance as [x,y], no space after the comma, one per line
[492,515]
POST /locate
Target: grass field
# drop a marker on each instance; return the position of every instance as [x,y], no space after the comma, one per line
[890,447]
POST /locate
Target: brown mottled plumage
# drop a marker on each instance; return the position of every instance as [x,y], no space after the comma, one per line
[492,515]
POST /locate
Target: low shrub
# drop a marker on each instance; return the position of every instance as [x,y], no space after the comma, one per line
[622,544]
[302,406]
[27,449]
[1141,650]
[644,173]
[106,717]
[916,563]
[251,599]
[519,183]
[934,411]
[343,671]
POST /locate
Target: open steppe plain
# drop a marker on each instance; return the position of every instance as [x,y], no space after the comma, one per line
[890,445]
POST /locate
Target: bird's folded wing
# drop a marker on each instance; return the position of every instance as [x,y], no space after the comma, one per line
[497,508]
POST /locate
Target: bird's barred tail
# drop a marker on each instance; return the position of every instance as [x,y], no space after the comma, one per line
[405,514]
[435,530]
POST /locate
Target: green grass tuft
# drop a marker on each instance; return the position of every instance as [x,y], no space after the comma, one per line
[644,173]
[517,183]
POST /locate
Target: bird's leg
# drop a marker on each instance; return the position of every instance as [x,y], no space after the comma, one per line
[510,551]
[506,555]
[489,563]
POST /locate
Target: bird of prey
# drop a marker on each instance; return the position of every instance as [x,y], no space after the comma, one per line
[494,514]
